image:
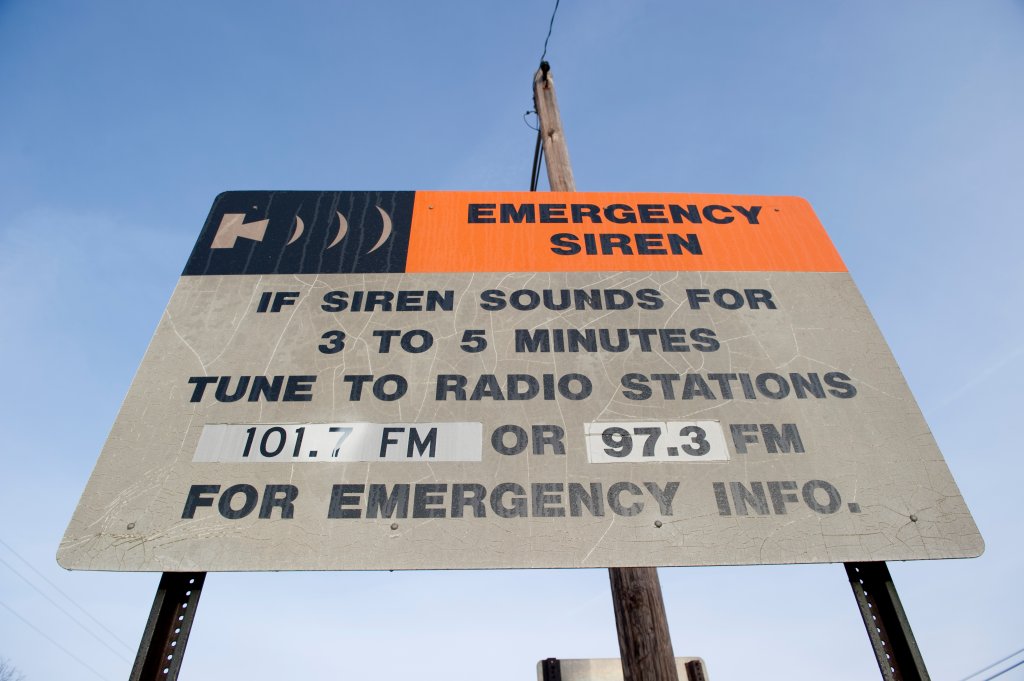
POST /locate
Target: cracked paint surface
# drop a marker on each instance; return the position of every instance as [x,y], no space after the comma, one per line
[874,447]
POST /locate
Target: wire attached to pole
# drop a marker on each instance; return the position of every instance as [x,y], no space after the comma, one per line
[538,149]
[538,153]
[551,25]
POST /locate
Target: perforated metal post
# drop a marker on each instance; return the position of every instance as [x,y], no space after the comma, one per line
[892,639]
[163,642]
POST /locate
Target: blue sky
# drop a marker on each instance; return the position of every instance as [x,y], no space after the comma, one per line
[119,123]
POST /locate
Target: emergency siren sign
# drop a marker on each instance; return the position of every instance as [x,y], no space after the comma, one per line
[422,380]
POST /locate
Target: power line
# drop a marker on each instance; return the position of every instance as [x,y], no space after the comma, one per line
[1004,671]
[47,637]
[531,111]
[538,150]
[551,25]
[72,617]
[538,154]
[985,669]
[61,592]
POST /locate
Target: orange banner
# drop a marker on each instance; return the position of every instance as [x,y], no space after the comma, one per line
[590,231]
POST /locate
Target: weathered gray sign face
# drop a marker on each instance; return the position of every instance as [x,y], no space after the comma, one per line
[450,380]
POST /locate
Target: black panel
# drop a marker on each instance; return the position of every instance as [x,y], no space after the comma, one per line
[310,252]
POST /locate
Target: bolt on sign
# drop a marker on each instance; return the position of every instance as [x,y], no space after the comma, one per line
[402,380]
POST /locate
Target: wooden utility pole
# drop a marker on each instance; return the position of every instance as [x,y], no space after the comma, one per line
[556,151]
[644,642]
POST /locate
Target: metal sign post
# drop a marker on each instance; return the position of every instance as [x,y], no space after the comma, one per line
[892,640]
[170,621]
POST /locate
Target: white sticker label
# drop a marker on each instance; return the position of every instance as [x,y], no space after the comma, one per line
[676,441]
[310,442]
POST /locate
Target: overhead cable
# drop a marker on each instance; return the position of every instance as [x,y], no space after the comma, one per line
[65,595]
[47,637]
[997,662]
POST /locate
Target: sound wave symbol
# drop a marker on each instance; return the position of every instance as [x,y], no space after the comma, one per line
[299,227]
[385,233]
[343,230]
[233,227]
